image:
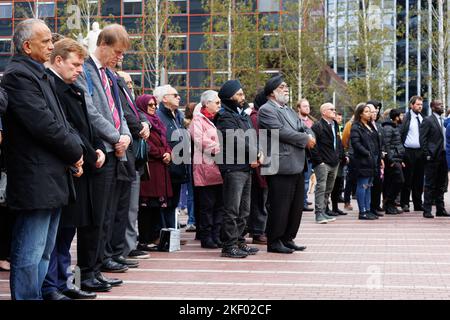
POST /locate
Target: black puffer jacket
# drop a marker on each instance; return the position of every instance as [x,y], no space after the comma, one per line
[392,142]
[365,149]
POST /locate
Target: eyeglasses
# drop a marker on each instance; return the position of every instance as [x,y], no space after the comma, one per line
[151,105]
[175,95]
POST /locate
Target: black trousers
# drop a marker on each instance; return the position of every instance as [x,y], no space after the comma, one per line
[414,177]
[211,212]
[115,243]
[285,206]
[376,192]
[149,224]
[6,225]
[436,183]
[392,183]
[258,211]
[91,240]
[337,191]
[236,200]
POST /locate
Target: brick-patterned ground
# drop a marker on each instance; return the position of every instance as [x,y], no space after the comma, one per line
[395,257]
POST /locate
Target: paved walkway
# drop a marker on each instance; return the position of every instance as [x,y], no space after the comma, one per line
[395,257]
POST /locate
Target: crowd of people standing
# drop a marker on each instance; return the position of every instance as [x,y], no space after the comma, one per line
[84,156]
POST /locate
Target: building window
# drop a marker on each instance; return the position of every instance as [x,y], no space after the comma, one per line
[45,9]
[177,79]
[5,10]
[5,46]
[268,5]
[180,6]
[177,42]
[110,7]
[132,7]
[5,28]
[23,9]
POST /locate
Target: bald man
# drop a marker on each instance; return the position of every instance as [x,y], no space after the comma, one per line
[325,158]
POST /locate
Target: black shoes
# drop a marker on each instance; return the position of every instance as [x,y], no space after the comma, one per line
[209,244]
[126,262]
[291,245]
[234,252]
[278,247]
[340,212]
[55,296]
[111,281]
[366,216]
[442,213]
[114,267]
[138,254]
[391,210]
[76,293]
[93,285]
[427,214]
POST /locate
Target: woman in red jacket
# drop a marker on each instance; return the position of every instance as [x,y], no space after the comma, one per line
[156,191]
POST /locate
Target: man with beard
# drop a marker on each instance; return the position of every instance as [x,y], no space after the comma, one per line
[286,181]
[393,171]
[432,140]
[240,154]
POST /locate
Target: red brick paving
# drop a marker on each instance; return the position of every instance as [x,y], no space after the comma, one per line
[395,257]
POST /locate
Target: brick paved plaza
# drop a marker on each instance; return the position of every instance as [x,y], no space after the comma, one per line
[395,257]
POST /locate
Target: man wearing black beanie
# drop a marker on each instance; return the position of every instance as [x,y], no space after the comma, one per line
[240,154]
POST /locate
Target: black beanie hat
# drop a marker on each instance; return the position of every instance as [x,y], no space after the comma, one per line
[229,88]
[272,84]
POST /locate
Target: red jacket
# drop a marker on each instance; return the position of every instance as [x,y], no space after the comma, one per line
[159,184]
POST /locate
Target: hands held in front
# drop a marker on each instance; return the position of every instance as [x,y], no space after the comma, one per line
[79,166]
[166,158]
[100,159]
[311,142]
[145,132]
[122,145]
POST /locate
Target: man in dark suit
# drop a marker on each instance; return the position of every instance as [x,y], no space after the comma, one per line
[128,190]
[66,64]
[432,139]
[106,115]
[41,147]
[285,177]
[414,161]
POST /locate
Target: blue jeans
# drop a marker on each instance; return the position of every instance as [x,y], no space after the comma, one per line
[187,201]
[307,178]
[363,193]
[33,241]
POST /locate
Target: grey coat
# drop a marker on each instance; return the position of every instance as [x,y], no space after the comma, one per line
[292,137]
[98,107]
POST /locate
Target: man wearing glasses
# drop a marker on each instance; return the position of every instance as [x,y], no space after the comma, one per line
[326,157]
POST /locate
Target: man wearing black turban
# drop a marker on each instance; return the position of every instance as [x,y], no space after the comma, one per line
[285,176]
[240,154]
